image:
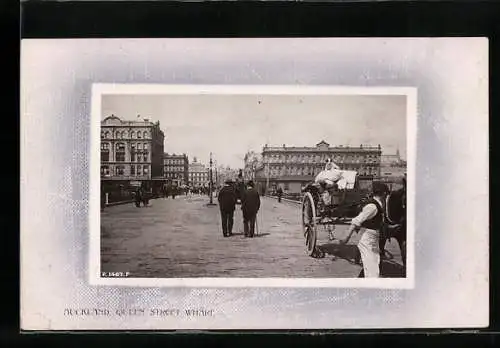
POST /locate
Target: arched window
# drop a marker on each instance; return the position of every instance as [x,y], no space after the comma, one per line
[145,156]
[102,135]
[120,152]
[139,170]
[145,146]
[107,135]
[145,135]
[139,135]
[139,146]
[105,152]
[132,134]
[118,135]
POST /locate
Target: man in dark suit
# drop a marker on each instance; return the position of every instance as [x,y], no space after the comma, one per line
[250,204]
[227,202]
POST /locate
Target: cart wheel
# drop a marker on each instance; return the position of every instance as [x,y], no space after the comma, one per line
[309,223]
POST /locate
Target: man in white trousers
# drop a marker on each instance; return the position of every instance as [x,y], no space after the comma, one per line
[370,219]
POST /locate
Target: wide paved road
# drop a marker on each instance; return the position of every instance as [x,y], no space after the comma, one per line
[182,237]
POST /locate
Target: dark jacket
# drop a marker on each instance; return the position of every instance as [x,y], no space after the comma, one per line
[227,198]
[250,202]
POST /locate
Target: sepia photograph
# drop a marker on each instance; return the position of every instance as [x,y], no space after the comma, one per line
[253,183]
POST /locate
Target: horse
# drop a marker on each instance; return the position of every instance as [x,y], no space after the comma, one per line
[395,217]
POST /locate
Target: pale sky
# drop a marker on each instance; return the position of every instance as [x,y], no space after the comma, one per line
[229,126]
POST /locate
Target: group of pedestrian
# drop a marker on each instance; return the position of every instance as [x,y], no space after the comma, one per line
[250,205]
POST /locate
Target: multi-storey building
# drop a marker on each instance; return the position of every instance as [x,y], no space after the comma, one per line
[198,174]
[131,152]
[291,167]
[176,169]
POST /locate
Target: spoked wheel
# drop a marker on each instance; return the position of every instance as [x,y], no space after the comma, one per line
[309,223]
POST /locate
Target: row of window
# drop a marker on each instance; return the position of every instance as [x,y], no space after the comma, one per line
[174,169]
[321,158]
[120,156]
[120,170]
[121,146]
[315,171]
[123,135]
[174,161]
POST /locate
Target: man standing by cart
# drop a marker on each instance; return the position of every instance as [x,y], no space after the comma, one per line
[371,220]
[250,204]
[227,203]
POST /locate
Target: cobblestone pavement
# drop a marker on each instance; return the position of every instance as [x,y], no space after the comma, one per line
[182,237]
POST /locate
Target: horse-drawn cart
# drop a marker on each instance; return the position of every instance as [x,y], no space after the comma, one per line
[344,203]
[346,199]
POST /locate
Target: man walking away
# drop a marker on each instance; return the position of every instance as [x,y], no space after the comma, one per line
[227,202]
[250,204]
[371,219]
[280,193]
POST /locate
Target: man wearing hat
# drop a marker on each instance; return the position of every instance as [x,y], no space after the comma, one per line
[371,220]
[250,204]
[227,202]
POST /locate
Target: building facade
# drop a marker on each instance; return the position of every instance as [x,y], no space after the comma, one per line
[198,174]
[131,152]
[176,169]
[291,167]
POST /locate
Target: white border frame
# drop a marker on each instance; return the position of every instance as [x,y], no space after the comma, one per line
[100,89]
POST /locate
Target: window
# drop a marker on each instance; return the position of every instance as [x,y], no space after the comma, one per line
[105,152]
[139,170]
[118,135]
[145,134]
[139,135]
[106,135]
[145,170]
[124,135]
[145,157]
[145,146]
[287,186]
[120,152]
[139,146]
[102,135]
[132,170]
[120,170]
[104,170]
[132,135]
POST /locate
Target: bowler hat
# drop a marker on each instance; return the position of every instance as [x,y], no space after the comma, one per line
[250,183]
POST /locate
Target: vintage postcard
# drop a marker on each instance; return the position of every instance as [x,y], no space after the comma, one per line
[176,185]
[254,184]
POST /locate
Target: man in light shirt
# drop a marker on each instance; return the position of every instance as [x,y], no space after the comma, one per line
[370,219]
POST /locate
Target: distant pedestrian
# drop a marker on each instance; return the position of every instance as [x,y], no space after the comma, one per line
[138,197]
[250,205]
[279,192]
[227,203]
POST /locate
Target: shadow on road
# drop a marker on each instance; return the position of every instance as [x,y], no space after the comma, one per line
[261,234]
[391,269]
[388,267]
[347,252]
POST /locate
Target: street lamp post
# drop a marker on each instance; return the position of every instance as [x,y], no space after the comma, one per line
[210,188]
